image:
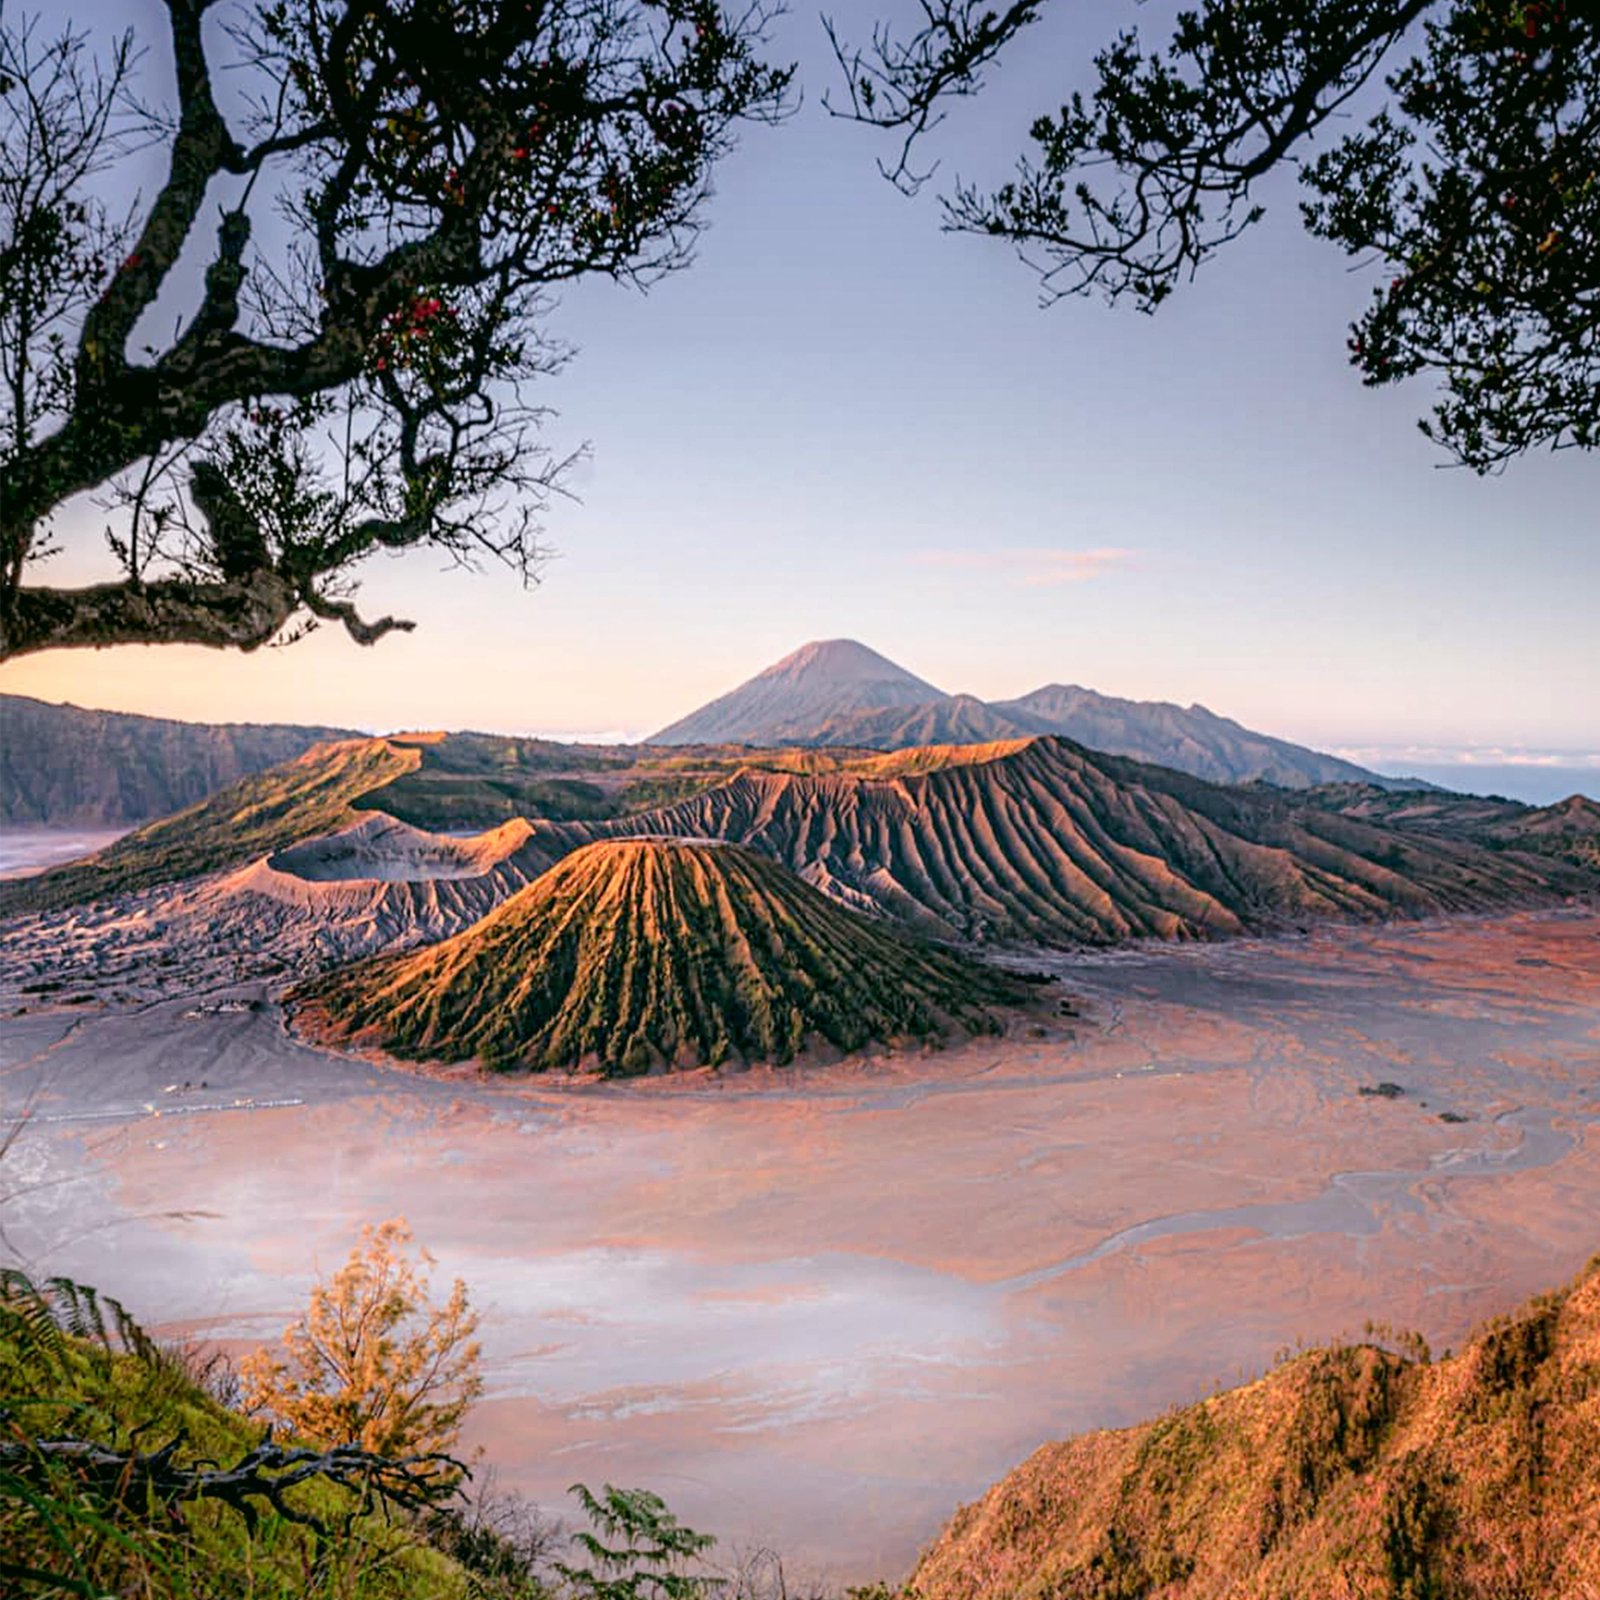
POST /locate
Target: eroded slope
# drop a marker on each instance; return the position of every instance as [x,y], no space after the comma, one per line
[1044,841]
[633,954]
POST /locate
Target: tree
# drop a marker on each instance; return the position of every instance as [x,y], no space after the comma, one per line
[373,1363]
[1475,182]
[637,1549]
[400,184]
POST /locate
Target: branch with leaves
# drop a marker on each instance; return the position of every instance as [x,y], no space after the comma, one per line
[373,1363]
[1474,184]
[409,181]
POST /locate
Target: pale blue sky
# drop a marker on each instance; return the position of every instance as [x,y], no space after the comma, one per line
[840,422]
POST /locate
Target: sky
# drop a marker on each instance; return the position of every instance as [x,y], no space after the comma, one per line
[841,422]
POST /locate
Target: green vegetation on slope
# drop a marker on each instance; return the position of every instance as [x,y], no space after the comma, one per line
[1348,1471]
[296,800]
[122,1473]
[637,953]
[74,1370]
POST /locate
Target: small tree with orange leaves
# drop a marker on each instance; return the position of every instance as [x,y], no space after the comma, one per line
[373,1362]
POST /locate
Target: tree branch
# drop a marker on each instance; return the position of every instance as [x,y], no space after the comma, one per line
[201,149]
[239,613]
[266,1473]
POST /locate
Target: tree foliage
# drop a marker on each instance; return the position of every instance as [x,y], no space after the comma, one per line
[400,184]
[373,1363]
[1473,182]
[635,1549]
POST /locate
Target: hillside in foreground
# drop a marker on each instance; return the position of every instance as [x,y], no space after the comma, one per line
[636,954]
[103,1436]
[1347,1471]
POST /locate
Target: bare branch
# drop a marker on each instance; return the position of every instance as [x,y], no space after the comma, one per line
[262,1478]
[902,85]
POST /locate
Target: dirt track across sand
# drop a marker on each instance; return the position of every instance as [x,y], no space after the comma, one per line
[822,1308]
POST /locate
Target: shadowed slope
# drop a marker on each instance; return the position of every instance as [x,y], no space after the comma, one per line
[68,766]
[1347,1471]
[637,953]
[1188,738]
[956,719]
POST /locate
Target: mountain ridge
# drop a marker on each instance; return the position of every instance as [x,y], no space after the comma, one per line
[1036,840]
[1044,841]
[821,695]
[70,765]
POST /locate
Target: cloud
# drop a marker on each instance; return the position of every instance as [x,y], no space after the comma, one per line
[1034,566]
[1469,756]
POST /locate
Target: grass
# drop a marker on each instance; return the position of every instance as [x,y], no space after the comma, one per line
[72,1365]
[1355,1470]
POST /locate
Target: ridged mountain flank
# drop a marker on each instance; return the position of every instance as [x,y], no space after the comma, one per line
[1350,1472]
[637,954]
[824,679]
[1041,841]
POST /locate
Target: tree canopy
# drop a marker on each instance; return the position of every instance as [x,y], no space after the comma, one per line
[357,234]
[1473,180]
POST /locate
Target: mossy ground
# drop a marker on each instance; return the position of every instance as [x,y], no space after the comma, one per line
[63,1534]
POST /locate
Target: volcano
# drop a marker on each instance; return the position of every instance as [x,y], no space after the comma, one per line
[785,704]
[635,955]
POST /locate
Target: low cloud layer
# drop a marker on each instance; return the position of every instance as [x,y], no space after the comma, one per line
[1469,756]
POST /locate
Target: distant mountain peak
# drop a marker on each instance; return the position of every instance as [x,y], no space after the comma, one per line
[784,702]
[847,661]
[841,692]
